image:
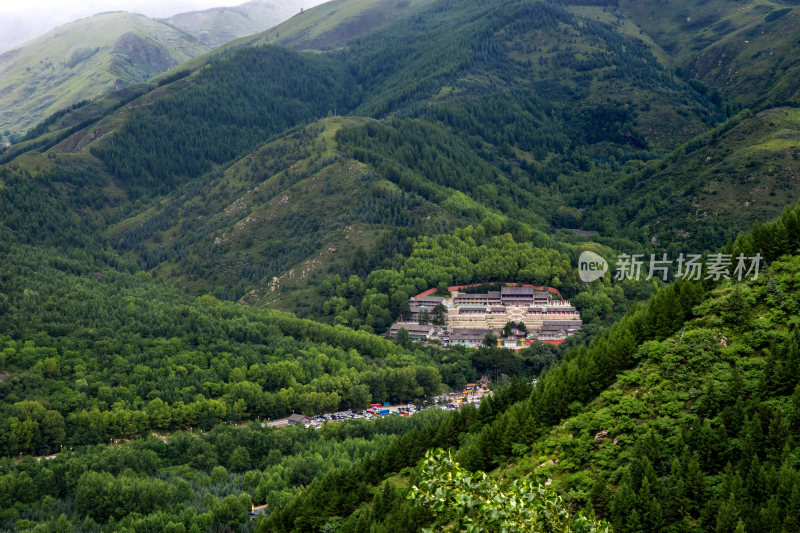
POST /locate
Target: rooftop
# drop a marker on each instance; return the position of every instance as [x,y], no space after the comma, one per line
[478,296]
[468,333]
[521,291]
[549,324]
[430,299]
[411,327]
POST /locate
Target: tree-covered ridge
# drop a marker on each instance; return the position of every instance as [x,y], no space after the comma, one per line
[344,196]
[709,189]
[229,108]
[437,165]
[705,430]
[293,204]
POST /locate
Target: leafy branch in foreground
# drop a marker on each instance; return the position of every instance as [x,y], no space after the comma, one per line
[471,502]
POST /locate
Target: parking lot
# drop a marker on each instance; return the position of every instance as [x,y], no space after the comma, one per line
[394,410]
[450,402]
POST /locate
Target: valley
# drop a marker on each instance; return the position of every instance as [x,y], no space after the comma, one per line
[384,203]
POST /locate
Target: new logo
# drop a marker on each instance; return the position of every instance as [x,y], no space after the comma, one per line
[591,266]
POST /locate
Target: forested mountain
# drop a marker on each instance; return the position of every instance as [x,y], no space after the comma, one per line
[188,257]
[480,71]
[719,184]
[82,60]
[743,50]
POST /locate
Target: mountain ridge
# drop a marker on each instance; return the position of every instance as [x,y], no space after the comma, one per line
[89,57]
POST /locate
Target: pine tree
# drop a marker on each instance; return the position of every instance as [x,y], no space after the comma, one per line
[623,506]
[794,416]
[695,483]
[675,494]
[728,516]
[649,507]
[600,497]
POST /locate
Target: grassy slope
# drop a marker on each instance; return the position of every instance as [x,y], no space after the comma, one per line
[722,186]
[329,25]
[217,26]
[744,50]
[333,24]
[83,60]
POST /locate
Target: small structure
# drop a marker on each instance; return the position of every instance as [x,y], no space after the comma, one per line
[416,331]
[517,296]
[425,303]
[485,299]
[256,510]
[562,328]
[299,419]
[467,337]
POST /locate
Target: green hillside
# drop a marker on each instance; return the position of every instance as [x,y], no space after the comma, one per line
[582,135]
[706,409]
[289,210]
[88,58]
[83,60]
[326,26]
[709,190]
[744,51]
[334,24]
[217,26]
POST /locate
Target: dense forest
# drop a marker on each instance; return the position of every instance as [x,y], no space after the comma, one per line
[188,260]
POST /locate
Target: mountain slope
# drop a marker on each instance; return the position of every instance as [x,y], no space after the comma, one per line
[334,24]
[83,60]
[448,71]
[96,55]
[327,26]
[745,51]
[439,81]
[680,440]
[709,190]
[215,27]
[290,210]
